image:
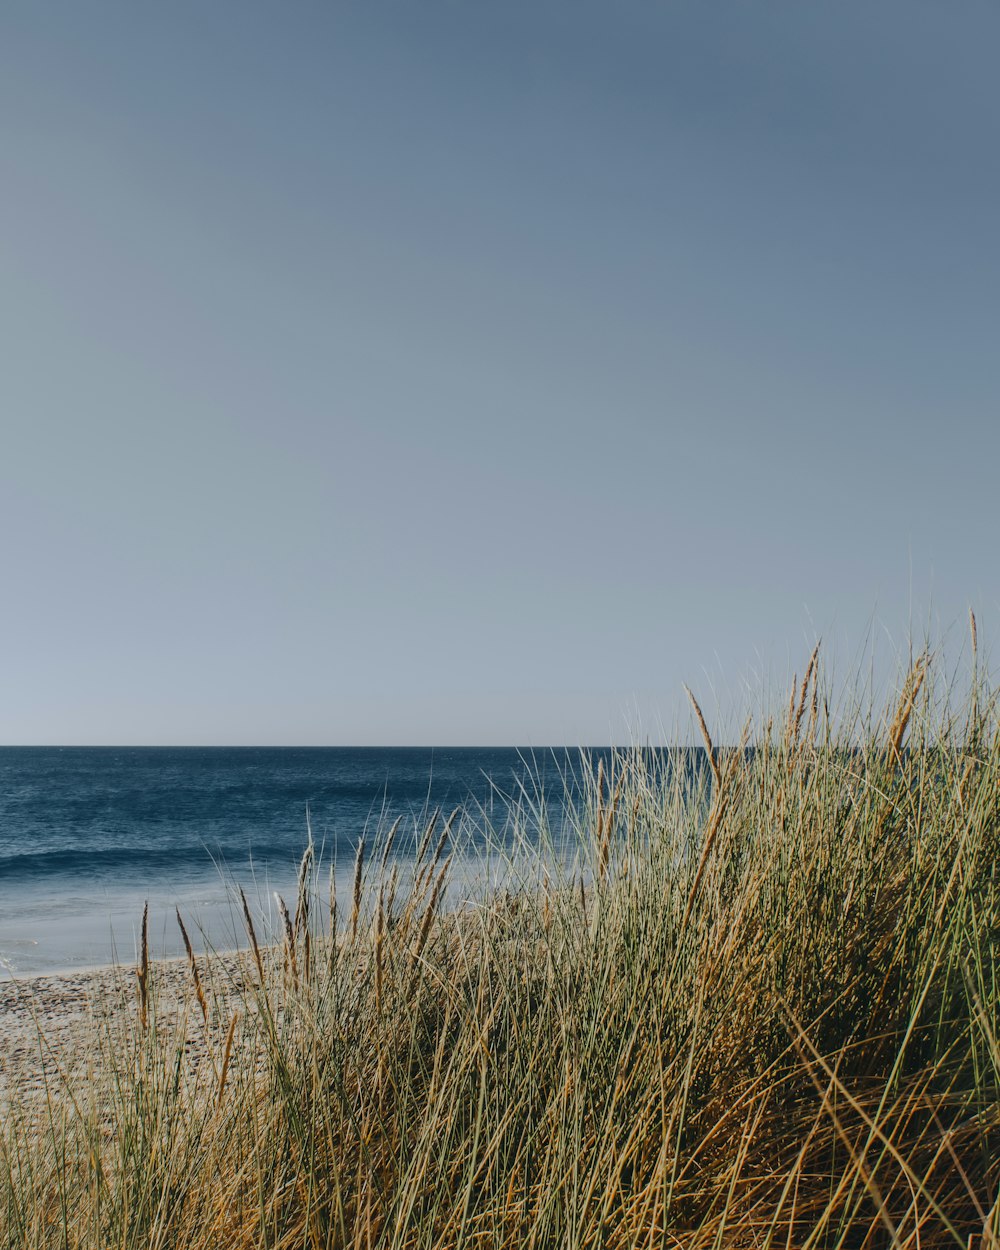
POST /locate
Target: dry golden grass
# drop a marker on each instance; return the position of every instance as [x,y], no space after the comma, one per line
[754,1004]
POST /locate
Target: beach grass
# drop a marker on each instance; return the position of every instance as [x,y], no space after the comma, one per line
[748,1003]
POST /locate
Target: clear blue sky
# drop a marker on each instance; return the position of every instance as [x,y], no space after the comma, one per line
[477,373]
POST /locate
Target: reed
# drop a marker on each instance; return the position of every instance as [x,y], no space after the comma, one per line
[193,963]
[142,972]
[756,1003]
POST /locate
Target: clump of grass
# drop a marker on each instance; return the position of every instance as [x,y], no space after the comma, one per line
[757,1003]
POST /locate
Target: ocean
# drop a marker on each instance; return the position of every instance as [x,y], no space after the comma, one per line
[89,835]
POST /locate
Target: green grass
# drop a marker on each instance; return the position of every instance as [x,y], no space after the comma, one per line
[753,1009]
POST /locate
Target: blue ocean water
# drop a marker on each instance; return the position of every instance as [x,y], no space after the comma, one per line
[89,834]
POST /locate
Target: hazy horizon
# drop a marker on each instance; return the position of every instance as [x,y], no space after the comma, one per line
[383,375]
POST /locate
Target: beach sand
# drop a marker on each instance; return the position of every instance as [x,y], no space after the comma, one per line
[55,1028]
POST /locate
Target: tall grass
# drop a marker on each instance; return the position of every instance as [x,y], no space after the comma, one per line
[756,1006]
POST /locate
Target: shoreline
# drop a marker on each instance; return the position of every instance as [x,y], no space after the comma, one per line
[71,972]
[51,933]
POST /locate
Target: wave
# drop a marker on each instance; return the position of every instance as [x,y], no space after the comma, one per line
[95,863]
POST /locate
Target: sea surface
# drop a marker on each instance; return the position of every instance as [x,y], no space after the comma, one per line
[89,835]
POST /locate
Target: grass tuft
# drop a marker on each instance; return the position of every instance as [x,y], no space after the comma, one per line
[749,997]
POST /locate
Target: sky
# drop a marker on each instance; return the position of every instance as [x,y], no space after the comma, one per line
[454,373]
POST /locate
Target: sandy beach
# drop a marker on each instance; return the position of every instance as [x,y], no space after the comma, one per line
[52,1026]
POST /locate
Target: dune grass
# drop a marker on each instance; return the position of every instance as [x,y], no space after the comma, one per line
[757,1006]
